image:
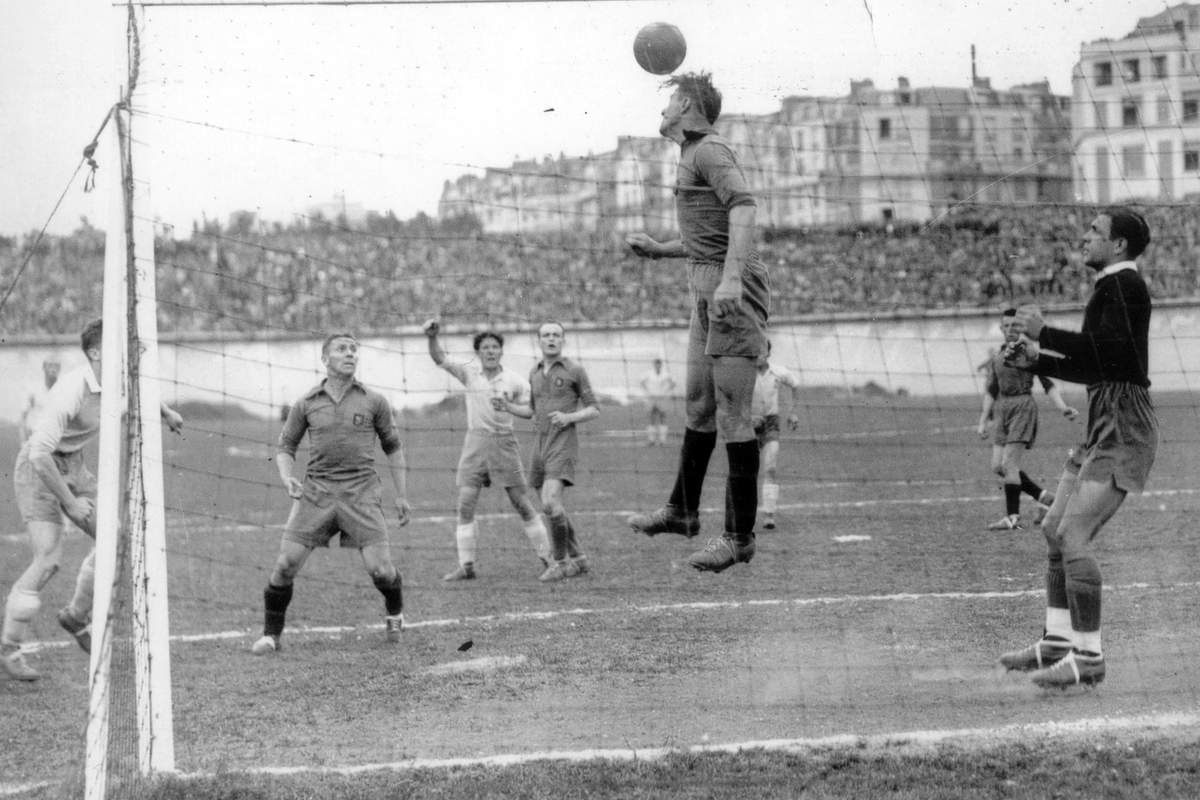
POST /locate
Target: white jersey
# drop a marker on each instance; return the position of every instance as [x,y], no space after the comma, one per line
[480,391]
[766,390]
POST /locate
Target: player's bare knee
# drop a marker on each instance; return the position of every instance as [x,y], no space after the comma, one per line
[23,604]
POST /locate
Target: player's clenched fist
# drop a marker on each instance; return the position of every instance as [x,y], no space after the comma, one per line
[431,328]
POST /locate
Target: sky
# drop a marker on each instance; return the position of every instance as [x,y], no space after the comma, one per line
[277,109]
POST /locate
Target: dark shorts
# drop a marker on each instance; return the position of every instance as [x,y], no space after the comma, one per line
[553,457]
[324,510]
[35,501]
[1015,420]
[766,429]
[490,457]
[1122,436]
[740,334]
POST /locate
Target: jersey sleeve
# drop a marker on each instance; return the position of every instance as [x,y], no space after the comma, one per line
[385,425]
[294,427]
[716,162]
[586,396]
[63,402]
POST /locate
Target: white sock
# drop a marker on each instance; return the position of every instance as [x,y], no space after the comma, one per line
[1058,623]
[81,602]
[19,611]
[535,529]
[464,537]
[650,429]
[1086,640]
[770,497]
[662,434]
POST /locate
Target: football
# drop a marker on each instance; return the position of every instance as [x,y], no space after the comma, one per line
[659,48]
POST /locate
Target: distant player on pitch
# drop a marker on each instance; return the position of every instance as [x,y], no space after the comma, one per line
[1110,354]
[52,481]
[490,452]
[730,292]
[657,386]
[341,491]
[765,413]
[560,398]
[1011,414]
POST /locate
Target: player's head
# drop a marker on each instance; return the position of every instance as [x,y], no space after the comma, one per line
[694,100]
[90,339]
[658,363]
[551,335]
[339,354]
[1009,325]
[489,346]
[1116,234]
[50,369]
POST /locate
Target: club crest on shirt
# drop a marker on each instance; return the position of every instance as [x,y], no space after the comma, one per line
[361,420]
[558,382]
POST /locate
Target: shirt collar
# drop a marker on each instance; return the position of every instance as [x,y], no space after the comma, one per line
[545,365]
[1113,269]
[692,134]
[320,387]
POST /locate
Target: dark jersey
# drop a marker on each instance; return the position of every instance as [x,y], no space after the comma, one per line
[341,435]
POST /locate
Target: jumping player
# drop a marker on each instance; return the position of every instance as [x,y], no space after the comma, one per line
[560,398]
[1110,354]
[490,451]
[340,492]
[1012,415]
[730,293]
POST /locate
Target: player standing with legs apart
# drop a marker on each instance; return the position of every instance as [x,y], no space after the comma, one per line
[657,384]
[1111,355]
[764,414]
[1011,412]
[560,398]
[51,482]
[730,294]
[341,490]
[490,451]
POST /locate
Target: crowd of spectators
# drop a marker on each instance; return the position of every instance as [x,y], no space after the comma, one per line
[311,277]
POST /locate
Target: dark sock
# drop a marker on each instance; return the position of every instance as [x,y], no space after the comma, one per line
[1056,583]
[572,541]
[559,533]
[275,601]
[1083,588]
[1012,498]
[693,466]
[741,487]
[1029,487]
[393,599]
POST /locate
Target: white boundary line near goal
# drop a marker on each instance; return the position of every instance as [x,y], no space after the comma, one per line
[1007,733]
[523,616]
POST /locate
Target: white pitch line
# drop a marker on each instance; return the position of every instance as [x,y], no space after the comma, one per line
[658,608]
[1155,723]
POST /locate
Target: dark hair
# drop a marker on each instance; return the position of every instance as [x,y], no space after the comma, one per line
[479,337]
[1009,312]
[698,86]
[90,338]
[329,340]
[1127,224]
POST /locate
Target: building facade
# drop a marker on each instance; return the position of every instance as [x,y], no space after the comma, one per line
[870,157]
[1136,112]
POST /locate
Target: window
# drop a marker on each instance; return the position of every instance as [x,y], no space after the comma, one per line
[1160,66]
[1132,69]
[1191,106]
[1133,161]
[1101,109]
[1130,118]
[1163,112]
[885,128]
[1103,73]
[1191,157]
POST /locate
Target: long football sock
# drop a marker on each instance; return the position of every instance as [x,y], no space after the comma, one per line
[1012,499]
[81,602]
[1083,592]
[770,497]
[1030,488]
[464,539]
[390,588]
[573,550]
[741,488]
[693,466]
[275,602]
[559,533]
[535,531]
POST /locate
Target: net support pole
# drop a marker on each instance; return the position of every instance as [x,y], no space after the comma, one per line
[108,472]
[156,745]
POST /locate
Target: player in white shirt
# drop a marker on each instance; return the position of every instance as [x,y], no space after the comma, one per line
[50,371]
[490,452]
[658,385]
[764,412]
[52,481]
